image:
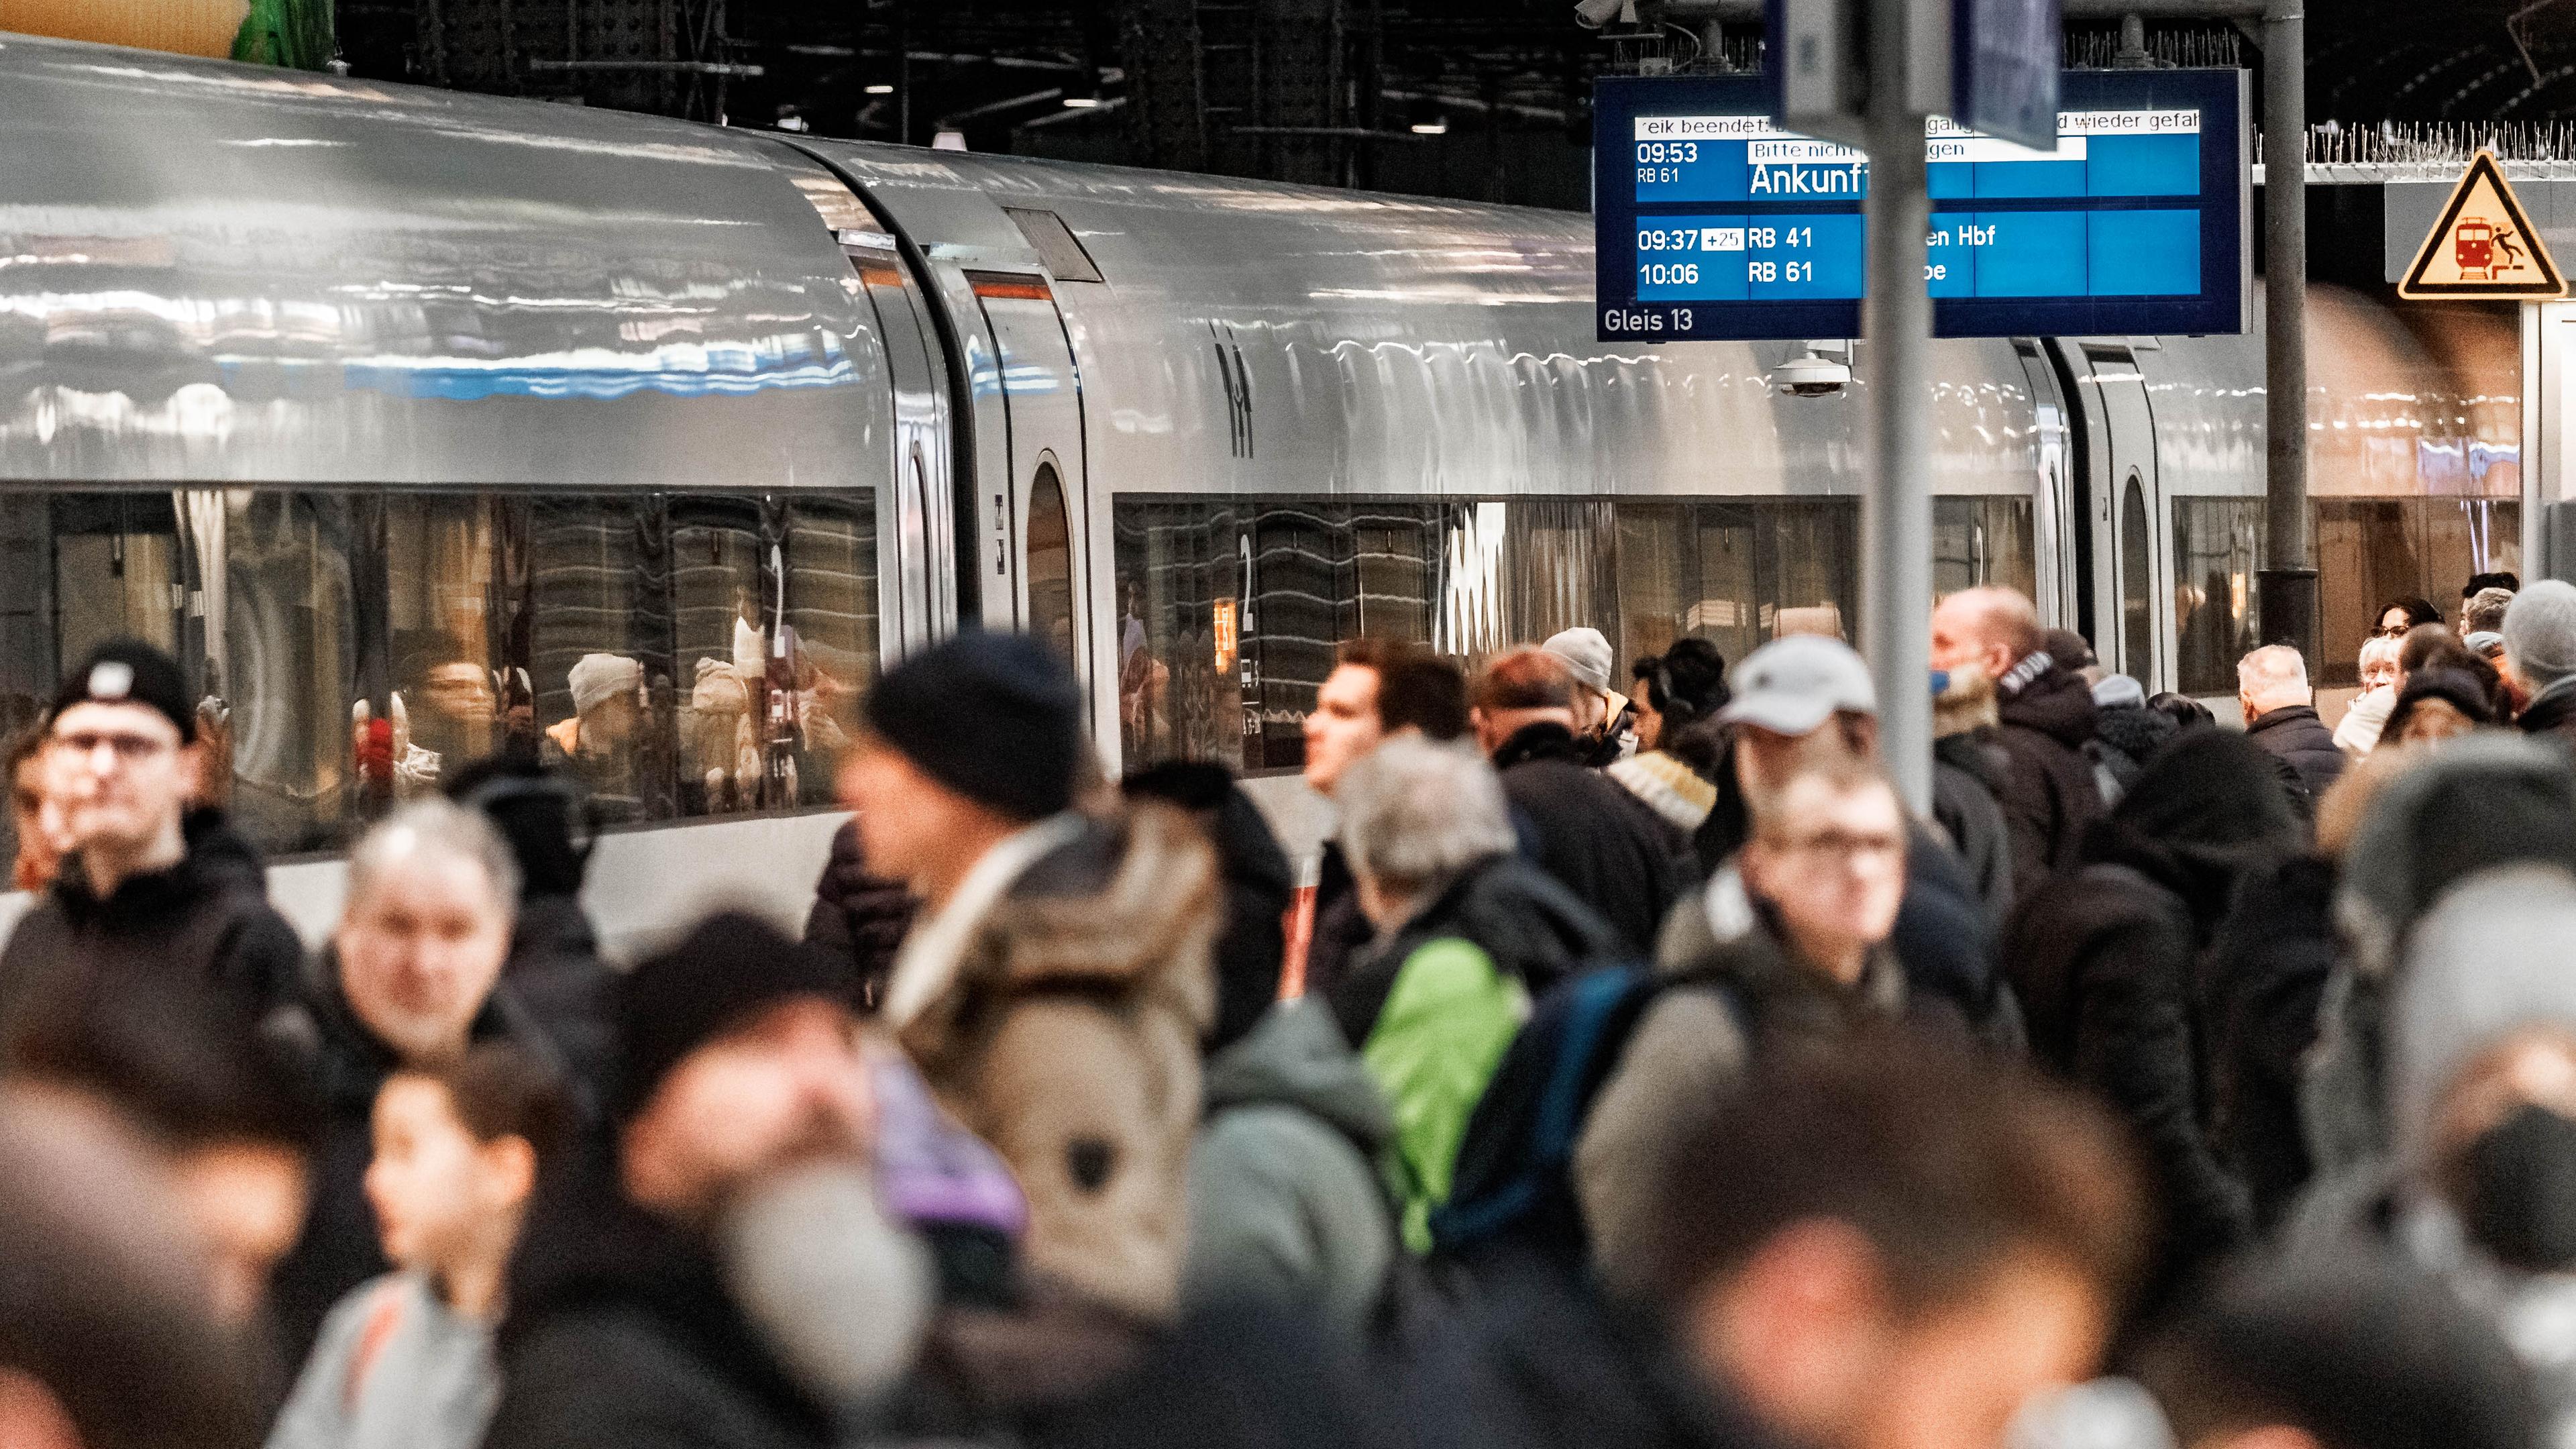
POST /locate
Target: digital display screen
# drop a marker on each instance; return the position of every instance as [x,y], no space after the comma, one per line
[1713,222]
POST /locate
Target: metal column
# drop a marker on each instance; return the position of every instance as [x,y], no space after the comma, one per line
[2287,584]
[1896,320]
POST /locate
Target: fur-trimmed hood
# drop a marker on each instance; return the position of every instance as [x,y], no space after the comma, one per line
[1124,916]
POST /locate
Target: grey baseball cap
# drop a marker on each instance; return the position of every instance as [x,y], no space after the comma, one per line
[1792,686]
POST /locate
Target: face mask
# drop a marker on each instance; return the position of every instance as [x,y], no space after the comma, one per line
[2520,1182]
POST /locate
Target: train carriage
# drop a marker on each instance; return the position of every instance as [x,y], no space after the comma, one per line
[649,444]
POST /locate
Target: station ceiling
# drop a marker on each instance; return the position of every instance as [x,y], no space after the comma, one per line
[1496,77]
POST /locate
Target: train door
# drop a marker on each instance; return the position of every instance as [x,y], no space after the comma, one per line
[2118,537]
[1044,519]
[921,598]
[2052,491]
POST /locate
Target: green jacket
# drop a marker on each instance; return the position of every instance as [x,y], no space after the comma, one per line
[1448,1019]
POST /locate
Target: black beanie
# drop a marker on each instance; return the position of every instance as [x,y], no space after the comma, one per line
[129,671]
[995,717]
[725,972]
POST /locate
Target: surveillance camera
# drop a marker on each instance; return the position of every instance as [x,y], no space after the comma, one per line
[1811,376]
[1593,14]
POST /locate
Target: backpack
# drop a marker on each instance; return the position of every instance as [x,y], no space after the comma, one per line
[1514,1184]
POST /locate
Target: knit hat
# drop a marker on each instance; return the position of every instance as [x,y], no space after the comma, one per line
[715,980]
[1585,654]
[995,717]
[597,678]
[129,671]
[2540,632]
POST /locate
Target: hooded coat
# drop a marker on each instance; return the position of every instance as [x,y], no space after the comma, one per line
[2263,980]
[1606,845]
[1287,1201]
[2050,797]
[2487,962]
[1738,986]
[1068,1038]
[2105,961]
[2123,737]
[2482,800]
[205,919]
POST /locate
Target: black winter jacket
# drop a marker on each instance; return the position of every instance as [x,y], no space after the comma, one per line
[2295,734]
[1522,917]
[1605,844]
[858,915]
[2552,712]
[622,1335]
[2105,961]
[1341,932]
[556,975]
[203,924]
[1969,772]
[2049,797]
[1541,1361]
[339,1247]
[2262,982]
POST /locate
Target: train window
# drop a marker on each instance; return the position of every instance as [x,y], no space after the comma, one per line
[1050,562]
[2217,546]
[2137,586]
[289,674]
[352,649]
[450,603]
[832,626]
[2372,550]
[723,606]
[1979,541]
[1229,610]
[1055,243]
[600,577]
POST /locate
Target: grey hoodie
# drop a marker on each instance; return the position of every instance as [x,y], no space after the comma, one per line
[1287,1204]
[394,1368]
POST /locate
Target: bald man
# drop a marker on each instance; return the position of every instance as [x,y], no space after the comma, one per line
[2048,796]
[2281,716]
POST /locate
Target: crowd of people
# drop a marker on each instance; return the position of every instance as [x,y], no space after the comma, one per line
[1639,1069]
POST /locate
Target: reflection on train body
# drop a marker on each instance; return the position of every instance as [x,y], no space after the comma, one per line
[684,655]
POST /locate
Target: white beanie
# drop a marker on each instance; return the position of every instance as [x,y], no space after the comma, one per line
[1585,654]
[2540,632]
[597,677]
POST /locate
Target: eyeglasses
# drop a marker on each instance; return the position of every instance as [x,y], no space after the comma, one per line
[1840,846]
[130,748]
[2391,631]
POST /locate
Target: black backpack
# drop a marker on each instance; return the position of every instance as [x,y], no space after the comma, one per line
[1514,1183]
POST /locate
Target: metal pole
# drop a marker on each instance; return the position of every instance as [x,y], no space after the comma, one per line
[2287,584]
[1896,512]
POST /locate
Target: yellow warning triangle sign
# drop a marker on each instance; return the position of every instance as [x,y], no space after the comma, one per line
[2482,245]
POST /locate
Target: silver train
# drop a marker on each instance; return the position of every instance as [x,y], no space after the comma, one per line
[414,421]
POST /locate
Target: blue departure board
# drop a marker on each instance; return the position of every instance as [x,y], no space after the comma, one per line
[1711,222]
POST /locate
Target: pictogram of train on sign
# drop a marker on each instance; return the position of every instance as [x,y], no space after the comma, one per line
[2475,247]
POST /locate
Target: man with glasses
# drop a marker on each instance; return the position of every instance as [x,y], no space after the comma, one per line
[1786,945]
[150,892]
